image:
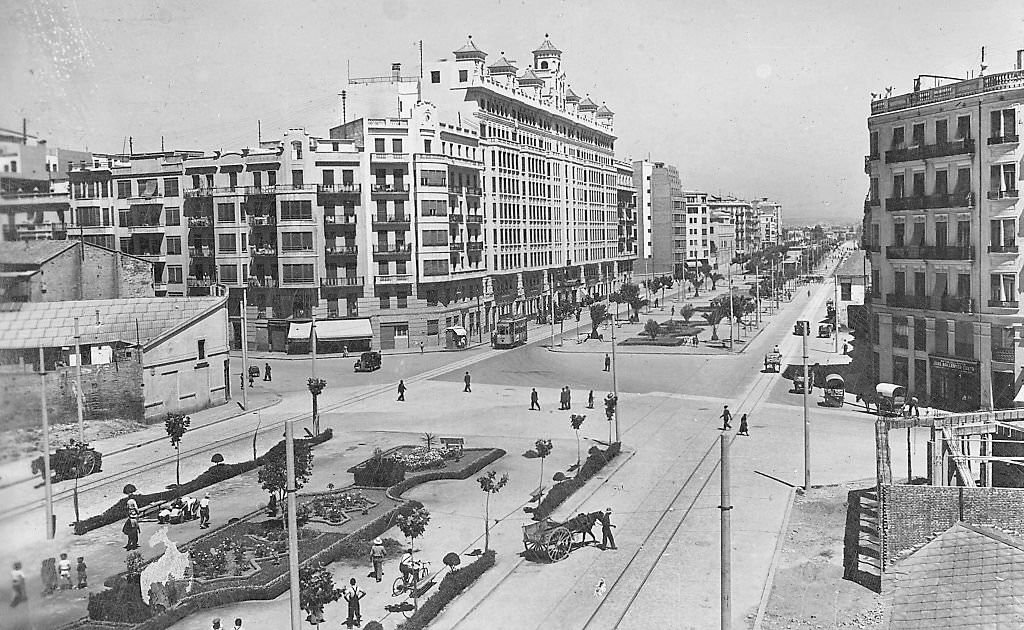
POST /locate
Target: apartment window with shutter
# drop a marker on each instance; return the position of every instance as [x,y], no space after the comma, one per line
[919,184]
[918,237]
[396,145]
[257,179]
[172,216]
[174,274]
[917,135]
[898,186]
[898,138]
[297,178]
[874,144]
[296,241]
[1004,126]
[941,232]
[226,243]
[899,234]
[229,274]
[225,213]
[378,146]
[941,131]
[173,245]
[941,284]
[233,180]
[919,284]
[941,183]
[899,282]
[328,177]
[1004,180]
[435,76]
[124,188]
[963,181]
[271,178]
[297,273]
[963,127]
[963,285]
[963,232]
[920,334]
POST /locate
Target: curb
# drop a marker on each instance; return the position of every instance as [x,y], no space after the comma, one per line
[770,580]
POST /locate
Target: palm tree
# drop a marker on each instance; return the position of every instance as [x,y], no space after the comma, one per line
[686,311]
[715,278]
[598,313]
[713,317]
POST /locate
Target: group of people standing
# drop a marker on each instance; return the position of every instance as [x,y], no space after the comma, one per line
[55,575]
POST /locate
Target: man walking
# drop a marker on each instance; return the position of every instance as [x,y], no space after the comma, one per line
[401,390]
[726,418]
[421,346]
[466,380]
[607,540]
[607,362]
[251,379]
[377,553]
[266,372]
[590,400]
[352,595]
[568,398]
[534,404]
[204,512]
[743,426]
[241,379]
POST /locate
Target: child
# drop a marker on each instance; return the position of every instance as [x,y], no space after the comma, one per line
[64,571]
[83,579]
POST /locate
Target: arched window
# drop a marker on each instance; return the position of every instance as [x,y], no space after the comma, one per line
[543,65]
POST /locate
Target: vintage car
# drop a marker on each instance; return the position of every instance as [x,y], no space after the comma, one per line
[368,362]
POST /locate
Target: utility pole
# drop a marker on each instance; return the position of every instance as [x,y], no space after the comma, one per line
[78,383]
[293,530]
[731,335]
[48,490]
[615,384]
[551,314]
[726,508]
[835,318]
[245,353]
[807,421]
[757,292]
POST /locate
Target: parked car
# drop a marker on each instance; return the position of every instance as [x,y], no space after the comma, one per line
[368,362]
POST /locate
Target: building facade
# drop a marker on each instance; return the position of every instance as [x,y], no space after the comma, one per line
[769,216]
[627,211]
[698,229]
[942,226]
[660,202]
[58,271]
[746,224]
[722,238]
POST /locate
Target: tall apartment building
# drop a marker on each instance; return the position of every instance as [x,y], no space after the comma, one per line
[627,213]
[746,224]
[662,217]
[769,216]
[722,235]
[698,228]
[942,225]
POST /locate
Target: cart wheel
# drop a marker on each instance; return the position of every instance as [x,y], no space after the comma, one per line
[88,464]
[559,544]
[398,587]
[536,550]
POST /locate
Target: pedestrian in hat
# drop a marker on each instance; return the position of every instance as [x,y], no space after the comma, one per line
[466,379]
[266,372]
[607,540]
[534,403]
[743,426]
[726,418]
[401,390]
[377,553]
[204,511]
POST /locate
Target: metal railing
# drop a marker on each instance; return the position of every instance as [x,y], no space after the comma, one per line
[346,281]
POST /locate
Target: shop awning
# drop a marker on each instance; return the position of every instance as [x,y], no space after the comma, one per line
[459,331]
[342,329]
[299,331]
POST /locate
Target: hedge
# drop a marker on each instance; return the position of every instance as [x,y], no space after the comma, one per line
[396,491]
[450,587]
[215,474]
[596,460]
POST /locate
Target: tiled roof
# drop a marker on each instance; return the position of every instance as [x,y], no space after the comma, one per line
[470,50]
[570,96]
[969,577]
[604,111]
[855,265]
[588,104]
[529,76]
[547,47]
[502,64]
[32,252]
[132,320]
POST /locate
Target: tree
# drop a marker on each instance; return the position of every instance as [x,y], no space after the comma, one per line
[616,299]
[451,560]
[490,484]
[686,311]
[273,475]
[428,439]
[705,269]
[715,278]
[713,317]
[652,328]
[630,294]
[413,525]
[543,449]
[316,590]
[598,313]
[576,422]
[316,387]
[666,283]
[176,425]
[691,277]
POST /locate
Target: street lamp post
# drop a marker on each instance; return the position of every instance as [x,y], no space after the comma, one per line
[293,533]
[615,385]
[245,352]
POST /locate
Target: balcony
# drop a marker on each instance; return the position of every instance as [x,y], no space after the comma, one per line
[456,247]
[474,218]
[464,190]
[455,217]
[34,231]
[1006,355]
[925,151]
[1002,249]
[200,252]
[200,222]
[349,281]
[390,222]
[266,282]
[1003,303]
[262,221]
[1003,194]
[894,204]
[947,252]
[903,252]
[200,282]
[337,194]
[920,202]
[871,203]
[952,304]
[393,279]
[263,250]
[401,251]
[474,246]
[341,250]
[901,300]
[873,247]
[389,191]
[1003,139]
[389,157]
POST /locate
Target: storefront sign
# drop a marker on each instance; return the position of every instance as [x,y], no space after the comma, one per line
[964,366]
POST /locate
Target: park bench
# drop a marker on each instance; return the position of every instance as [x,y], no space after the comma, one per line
[453,443]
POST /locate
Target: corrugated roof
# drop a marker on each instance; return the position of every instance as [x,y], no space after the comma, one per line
[32,252]
[131,320]
[969,577]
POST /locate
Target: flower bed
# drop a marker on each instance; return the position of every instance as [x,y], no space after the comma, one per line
[596,460]
[450,587]
[331,507]
[215,474]
[420,458]
[473,461]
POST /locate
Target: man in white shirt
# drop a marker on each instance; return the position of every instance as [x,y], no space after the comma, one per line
[204,511]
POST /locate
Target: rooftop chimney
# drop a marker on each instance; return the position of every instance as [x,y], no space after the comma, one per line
[396,71]
[1020,59]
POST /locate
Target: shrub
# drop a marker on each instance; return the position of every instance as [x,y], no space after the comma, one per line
[122,603]
[596,460]
[380,471]
[450,587]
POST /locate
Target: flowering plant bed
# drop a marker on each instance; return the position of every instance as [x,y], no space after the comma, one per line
[419,458]
[331,507]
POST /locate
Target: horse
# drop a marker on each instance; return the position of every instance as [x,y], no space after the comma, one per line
[583,523]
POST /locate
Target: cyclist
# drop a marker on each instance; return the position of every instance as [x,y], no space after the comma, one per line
[412,570]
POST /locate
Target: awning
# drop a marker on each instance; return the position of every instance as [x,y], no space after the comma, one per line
[299,331]
[888,390]
[341,329]
[458,330]
[835,378]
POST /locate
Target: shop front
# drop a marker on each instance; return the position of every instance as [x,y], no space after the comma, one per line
[956,383]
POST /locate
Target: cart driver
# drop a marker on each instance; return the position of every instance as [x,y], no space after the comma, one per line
[775,350]
[410,569]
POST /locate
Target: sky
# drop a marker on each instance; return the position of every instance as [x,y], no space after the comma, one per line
[751,98]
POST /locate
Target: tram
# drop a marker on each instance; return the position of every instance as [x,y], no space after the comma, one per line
[509,332]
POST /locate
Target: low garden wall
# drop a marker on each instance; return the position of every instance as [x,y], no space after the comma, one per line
[451,586]
[596,460]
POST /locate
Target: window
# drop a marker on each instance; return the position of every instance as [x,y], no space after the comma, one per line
[435,76]
[170,187]
[226,244]
[328,177]
[257,179]
[941,183]
[172,216]
[427,146]
[435,267]
[89,216]
[963,127]
[941,233]
[174,274]
[229,274]
[385,301]
[919,289]
[148,188]
[297,178]
[233,180]
[433,178]
[173,245]
[271,178]
[1004,287]
[963,285]
[464,75]
[124,188]
[899,234]
[378,147]
[296,150]
[897,186]
[297,273]
[435,237]
[941,131]
[898,138]
[920,334]
[396,145]
[296,210]
[917,135]
[403,302]
[963,181]
[296,241]
[918,184]
[432,324]
[900,332]
[225,213]
[899,283]
[1004,233]
[1004,126]
[201,349]
[1004,180]
[963,232]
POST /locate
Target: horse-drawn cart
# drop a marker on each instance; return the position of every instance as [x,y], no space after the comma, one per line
[553,540]
[773,361]
[75,460]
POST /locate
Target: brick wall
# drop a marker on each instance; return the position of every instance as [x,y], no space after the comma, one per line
[94,273]
[111,391]
[911,514]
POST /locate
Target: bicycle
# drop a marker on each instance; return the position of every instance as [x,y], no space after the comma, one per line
[404,584]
